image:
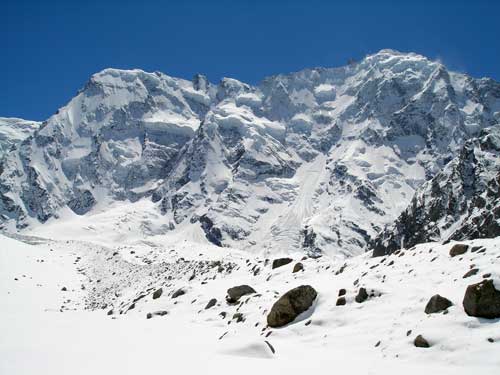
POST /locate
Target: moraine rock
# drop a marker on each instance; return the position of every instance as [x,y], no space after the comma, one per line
[361,296]
[290,305]
[211,303]
[482,300]
[298,267]
[235,293]
[157,293]
[281,262]
[437,304]
[178,293]
[470,273]
[458,249]
[421,342]
[341,301]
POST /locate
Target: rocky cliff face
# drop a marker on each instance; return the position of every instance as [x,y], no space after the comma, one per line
[321,159]
[460,202]
[13,131]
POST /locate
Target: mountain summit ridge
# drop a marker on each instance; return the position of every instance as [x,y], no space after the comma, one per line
[319,160]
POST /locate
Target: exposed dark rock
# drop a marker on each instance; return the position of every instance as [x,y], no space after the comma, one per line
[178,293]
[238,317]
[482,300]
[281,262]
[342,292]
[211,303]
[437,304]
[420,342]
[470,273]
[298,267]
[361,296]
[235,293]
[341,301]
[149,316]
[157,293]
[290,305]
[458,249]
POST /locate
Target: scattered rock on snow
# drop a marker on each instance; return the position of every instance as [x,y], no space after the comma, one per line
[341,301]
[290,305]
[342,292]
[211,303]
[458,249]
[361,296]
[178,293]
[420,342]
[437,304]
[235,293]
[470,273]
[157,293]
[281,262]
[482,300]
[298,267]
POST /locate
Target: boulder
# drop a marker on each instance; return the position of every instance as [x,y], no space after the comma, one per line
[420,342]
[341,301]
[211,303]
[157,293]
[178,293]
[482,300]
[470,273]
[281,262]
[235,293]
[298,267]
[342,292]
[458,249]
[290,305]
[361,296]
[437,304]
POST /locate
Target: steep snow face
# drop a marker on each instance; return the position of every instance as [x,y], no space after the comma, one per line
[319,160]
[115,140]
[13,131]
[461,202]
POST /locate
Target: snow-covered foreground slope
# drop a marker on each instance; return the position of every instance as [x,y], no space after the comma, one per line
[57,294]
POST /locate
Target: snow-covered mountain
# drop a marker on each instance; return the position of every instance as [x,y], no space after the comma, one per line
[319,160]
[461,202]
[13,131]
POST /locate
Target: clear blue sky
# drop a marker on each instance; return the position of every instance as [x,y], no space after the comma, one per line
[50,48]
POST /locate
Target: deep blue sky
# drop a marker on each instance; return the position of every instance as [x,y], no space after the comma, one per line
[50,48]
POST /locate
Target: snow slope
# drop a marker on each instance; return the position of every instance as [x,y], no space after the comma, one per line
[48,330]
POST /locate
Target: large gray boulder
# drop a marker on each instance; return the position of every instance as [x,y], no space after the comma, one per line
[290,305]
